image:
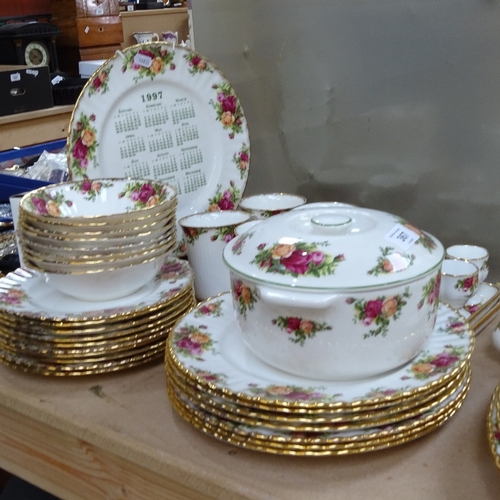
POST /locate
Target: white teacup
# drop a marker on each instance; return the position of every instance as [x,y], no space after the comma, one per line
[206,234]
[262,206]
[243,228]
[459,280]
[146,36]
[475,254]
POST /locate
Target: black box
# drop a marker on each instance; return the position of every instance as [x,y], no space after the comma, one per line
[24,88]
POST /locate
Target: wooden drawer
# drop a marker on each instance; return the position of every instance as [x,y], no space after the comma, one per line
[97,31]
[84,8]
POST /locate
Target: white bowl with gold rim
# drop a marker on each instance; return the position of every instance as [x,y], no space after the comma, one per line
[98,203]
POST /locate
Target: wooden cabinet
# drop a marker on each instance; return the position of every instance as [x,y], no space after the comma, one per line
[91,29]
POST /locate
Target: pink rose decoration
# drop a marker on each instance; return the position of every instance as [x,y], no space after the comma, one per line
[298,262]
[317,257]
[293,324]
[444,359]
[80,150]
[195,60]
[373,308]
[225,204]
[244,157]
[229,104]
[134,195]
[147,190]
[468,283]
[86,186]
[97,83]
[147,53]
[40,205]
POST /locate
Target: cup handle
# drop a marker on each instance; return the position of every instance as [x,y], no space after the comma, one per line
[155,37]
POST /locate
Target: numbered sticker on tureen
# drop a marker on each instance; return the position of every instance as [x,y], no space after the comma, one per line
[143,60]
[402,236]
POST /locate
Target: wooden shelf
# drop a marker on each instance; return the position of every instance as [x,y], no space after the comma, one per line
[34,127]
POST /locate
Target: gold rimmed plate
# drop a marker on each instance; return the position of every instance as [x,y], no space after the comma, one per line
[206,347]
[325,421]
[338,442]
[25,295]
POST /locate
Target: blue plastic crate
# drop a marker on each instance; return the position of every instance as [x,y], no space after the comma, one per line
[11,184]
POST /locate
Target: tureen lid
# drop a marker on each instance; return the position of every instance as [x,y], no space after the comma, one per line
[335,248]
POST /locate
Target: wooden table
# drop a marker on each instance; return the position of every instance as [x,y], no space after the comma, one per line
[117,437]
[34,127]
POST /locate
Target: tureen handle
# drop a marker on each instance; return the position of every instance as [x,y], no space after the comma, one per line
[297,299]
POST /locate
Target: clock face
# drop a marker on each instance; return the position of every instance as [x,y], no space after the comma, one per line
[36,54]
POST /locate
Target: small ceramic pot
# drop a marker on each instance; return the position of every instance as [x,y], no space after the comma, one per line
[263,206]
[206,234]
[335,293]
[475,254]
[459,281]
[145,36]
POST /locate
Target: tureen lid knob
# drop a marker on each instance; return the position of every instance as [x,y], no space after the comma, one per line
[332,223]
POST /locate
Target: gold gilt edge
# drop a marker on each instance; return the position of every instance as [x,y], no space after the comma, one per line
[121,316]
[493,427]
[308,449]
[397,430]
[244,408]
[60,334]
[242,398]
[95,369]
[339,423]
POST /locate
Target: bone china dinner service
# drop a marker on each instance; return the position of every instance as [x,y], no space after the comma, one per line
[321,329]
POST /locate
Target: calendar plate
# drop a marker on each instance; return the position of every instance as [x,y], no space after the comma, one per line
[160,112]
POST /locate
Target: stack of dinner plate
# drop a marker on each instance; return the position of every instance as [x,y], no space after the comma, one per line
[46,332]
[216,384]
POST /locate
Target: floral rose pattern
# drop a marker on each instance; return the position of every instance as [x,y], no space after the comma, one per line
[383,392]
[13,297]
[149,62]
[467,284]
[43,203]
[428,365]
[391,261]
[228,109]
[212,309]
[425,240]
[472,308]
[225,200]
[242,160]
[237,248]
[454,325]
[244,297]
[99,84]
[82,147]
[197,64]
[215,378]
[292,393]
[379,312]
[173,270]
[191,234]
[430,293]
[296,259]
[90,188]
[225,234]
[300,329]
[191,341]
[144,194]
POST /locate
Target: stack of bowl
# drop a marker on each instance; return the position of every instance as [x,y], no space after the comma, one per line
[100,239]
